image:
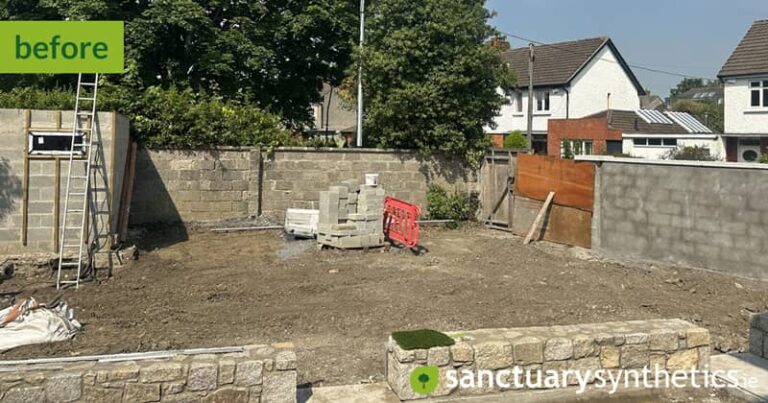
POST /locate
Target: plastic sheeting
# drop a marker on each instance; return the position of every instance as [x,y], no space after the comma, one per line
[29,322]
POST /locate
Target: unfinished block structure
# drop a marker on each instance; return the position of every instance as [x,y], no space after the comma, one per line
[351,216]
[34,160]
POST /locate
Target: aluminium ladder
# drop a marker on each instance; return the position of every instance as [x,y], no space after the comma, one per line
[79,184]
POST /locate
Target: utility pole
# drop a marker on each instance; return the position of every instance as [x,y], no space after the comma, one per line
[530,97]
[360,78]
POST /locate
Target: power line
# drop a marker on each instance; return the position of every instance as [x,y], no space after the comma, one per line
[635,66]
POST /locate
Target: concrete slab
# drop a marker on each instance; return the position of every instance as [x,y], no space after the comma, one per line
[746,366]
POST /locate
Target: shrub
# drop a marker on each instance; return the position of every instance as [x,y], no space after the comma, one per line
[763,159]
[422,339]
[694,153]
[516,140]
[456,206]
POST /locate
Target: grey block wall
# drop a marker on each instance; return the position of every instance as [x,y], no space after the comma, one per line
[211,185]
[710,217]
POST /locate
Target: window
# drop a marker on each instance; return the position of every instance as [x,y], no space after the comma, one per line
[571,148]
[53,143]
[613,147]
[519,101]
[758,94]
[542,101]
[655,142]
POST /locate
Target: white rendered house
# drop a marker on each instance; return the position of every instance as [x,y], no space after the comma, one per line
[745,78]
[571,80]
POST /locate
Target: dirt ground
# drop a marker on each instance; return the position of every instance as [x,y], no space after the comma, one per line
[338,307]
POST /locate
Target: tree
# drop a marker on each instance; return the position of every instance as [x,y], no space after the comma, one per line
[516,139]
[687,84]
[424,379]
[431,80]
[274,54]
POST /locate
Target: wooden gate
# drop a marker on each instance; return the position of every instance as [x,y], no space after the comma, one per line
[497,178]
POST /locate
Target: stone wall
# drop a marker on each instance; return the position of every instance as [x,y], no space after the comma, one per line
[668,344]
[758,334]
[708,215]
[259,373]
[190,186]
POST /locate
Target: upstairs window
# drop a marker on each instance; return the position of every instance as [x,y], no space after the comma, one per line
[542,101]
[758,94]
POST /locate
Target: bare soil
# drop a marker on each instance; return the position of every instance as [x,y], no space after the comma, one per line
[203,290]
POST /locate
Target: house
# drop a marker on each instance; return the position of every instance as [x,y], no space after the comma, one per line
[571,80]
[640,133]
[702,94]
[332,117]
[745,78]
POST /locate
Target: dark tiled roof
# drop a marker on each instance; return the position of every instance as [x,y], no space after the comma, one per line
[629,122]
[702,93]
[751,56]
[558,63]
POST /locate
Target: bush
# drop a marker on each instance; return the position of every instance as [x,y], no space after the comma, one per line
[694,153]
[170,117]
[455,206]
[516,140]
[763,159]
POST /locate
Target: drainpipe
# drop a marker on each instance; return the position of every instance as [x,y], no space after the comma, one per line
[567,103]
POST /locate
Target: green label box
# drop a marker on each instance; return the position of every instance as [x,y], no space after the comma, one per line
[61,47]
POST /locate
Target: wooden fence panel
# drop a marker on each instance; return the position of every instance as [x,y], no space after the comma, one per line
[573,182]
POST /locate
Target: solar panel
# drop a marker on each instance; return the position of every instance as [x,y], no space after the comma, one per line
[688,122]
[653,116]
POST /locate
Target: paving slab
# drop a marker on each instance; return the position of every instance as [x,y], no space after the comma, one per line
[746,366]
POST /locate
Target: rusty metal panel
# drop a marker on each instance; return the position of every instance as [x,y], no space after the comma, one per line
[565,225]
[573,182]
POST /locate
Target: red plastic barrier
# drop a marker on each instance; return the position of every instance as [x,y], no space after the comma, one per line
[401,221]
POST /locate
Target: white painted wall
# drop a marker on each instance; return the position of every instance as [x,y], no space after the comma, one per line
[588,95]
[740,117]
[602,76]
[716,148]
[510,119]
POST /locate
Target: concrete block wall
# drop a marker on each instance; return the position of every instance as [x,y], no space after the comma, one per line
[671,345]
[259,373]
[211,185]
[44,174]
[712,216]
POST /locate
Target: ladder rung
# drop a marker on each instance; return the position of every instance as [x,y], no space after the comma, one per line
[78,177]
[75,210]
[72,246]
[87,84]
[84,114]
[76,194]
[86,99]
[69,281]
[70,263]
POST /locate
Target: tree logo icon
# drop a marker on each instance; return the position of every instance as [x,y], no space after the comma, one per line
[424,380]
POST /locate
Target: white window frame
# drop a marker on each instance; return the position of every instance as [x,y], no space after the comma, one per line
[543,101]
[761,88]
[584,144]
[636,140]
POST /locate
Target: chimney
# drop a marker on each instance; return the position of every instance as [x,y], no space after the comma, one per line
[499,42]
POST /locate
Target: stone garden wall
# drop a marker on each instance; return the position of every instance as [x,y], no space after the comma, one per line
[670,344]
[758,335]
[259,373]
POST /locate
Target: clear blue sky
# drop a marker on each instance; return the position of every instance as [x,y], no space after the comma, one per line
[692,37]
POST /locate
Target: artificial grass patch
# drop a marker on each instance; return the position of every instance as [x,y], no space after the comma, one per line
[422,339]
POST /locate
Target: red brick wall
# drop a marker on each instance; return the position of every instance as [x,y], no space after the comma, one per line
[595,129]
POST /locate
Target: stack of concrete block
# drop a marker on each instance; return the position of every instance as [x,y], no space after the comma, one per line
[351,216]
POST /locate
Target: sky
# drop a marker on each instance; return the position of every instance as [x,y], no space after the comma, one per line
[690,37]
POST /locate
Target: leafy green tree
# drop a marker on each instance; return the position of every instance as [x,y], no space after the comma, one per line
[516,139]
[274,54]
[430,77]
